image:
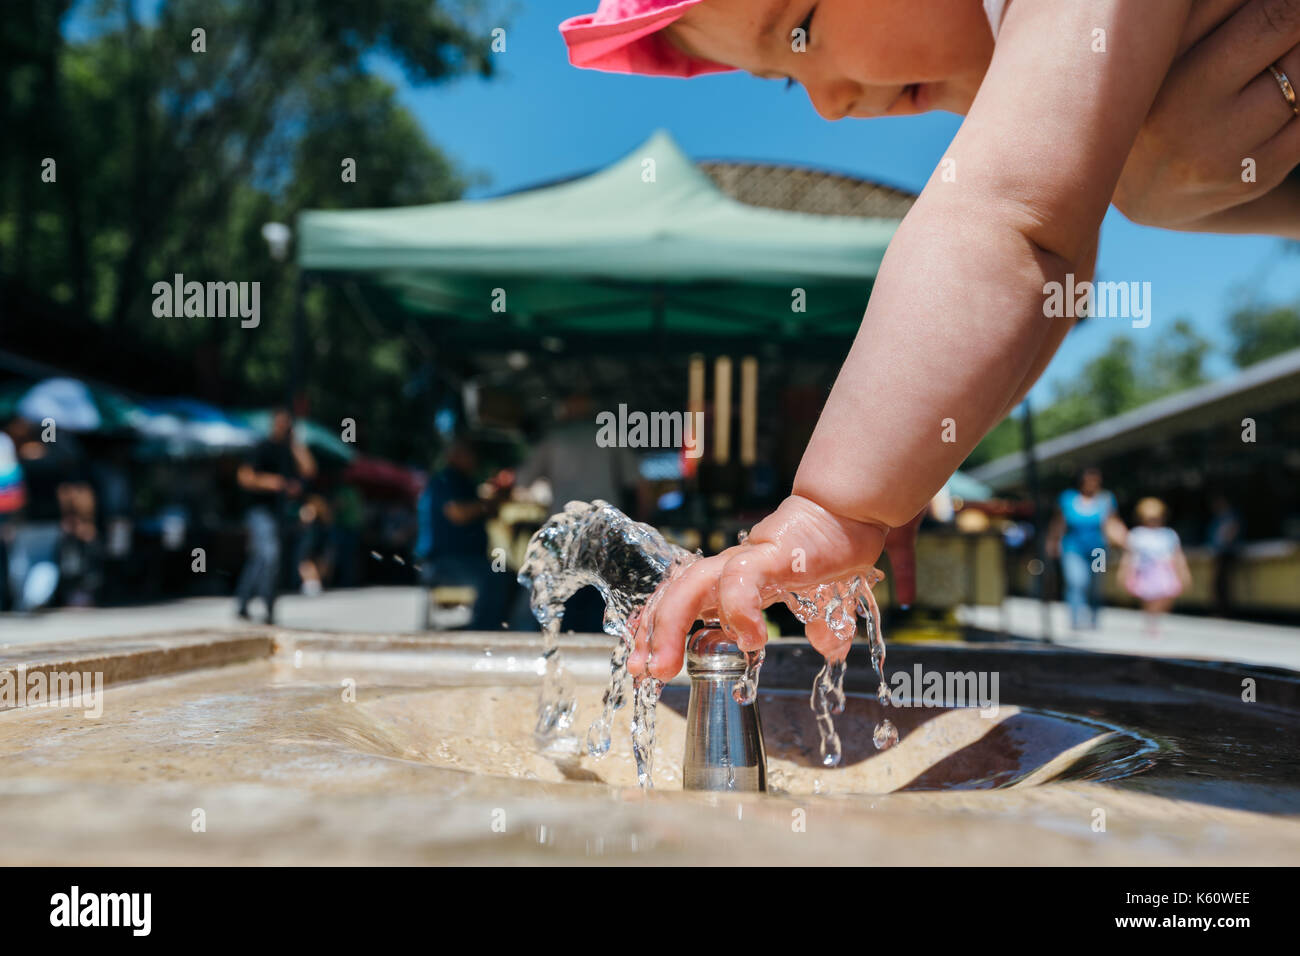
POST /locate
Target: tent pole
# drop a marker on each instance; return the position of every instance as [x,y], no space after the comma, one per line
[657,318]
[296,399]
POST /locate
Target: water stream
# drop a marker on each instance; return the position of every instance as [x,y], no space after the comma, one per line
[628,562]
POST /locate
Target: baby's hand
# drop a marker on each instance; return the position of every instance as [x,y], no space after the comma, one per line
[798,545]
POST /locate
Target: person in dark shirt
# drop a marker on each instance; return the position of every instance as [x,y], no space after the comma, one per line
[452,542]
[273,474]
[1224,539]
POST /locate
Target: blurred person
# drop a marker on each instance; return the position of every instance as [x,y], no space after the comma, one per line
[567,465]
[315,544]
[1154,569]
[272,475]
[1224,539]
[80,553]
[452,544]
[57,530]
[111,479]
[348,519]
[1085,522]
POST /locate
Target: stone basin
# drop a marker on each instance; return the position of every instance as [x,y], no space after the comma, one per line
[284,747]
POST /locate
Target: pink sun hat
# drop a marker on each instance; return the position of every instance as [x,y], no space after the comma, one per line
[622,36]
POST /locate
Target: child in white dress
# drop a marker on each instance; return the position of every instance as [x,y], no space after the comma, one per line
[1154,569]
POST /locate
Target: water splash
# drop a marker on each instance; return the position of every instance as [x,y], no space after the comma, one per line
[746,689]
[838,605]
[885,734]
[648,690]
[596,544]
[827,699]
[628,562]
[556,701]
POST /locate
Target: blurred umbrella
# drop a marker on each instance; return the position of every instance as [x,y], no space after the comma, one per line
[184,427]
[71,404]
[316,437]
[385,478]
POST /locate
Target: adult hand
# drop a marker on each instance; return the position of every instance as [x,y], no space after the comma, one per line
[1219,107]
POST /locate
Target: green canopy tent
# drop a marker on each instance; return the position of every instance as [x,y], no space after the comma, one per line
[647,253]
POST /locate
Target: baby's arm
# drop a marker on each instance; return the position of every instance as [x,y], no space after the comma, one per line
[956,320]
[956,326]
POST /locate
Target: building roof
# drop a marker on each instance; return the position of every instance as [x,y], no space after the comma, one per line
[804,189]
[788,187]
[1248,393]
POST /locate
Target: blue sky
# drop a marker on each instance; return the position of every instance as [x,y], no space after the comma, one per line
[540,118]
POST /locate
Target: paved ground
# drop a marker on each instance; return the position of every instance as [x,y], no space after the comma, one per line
[388,609]
[397,609]
[1124,631]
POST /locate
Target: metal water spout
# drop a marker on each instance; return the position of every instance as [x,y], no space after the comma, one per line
[724,738]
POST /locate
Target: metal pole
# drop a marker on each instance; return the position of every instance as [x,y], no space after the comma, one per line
[1040,526]
[298,354]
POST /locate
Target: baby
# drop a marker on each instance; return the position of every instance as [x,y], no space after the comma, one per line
[1154,569]
[1056,95]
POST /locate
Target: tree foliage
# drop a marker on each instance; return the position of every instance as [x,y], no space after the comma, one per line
[169,159]
[1260,332]
[1121,378]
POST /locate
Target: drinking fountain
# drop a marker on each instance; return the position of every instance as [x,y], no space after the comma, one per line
[724,738]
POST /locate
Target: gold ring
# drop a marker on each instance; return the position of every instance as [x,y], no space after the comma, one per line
[1288,89]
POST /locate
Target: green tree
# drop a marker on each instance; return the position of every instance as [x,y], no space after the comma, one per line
[1262,332]
[170,158]
[1119,379]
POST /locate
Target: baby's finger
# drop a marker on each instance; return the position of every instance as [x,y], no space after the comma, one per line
[823,639]
[740,593]
[661,635]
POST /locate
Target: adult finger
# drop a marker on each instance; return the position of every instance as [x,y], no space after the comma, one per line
[1281,153]
[1280,156]
[1254,36]
[1264,103]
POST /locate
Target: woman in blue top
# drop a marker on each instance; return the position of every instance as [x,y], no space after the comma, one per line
[1079,533]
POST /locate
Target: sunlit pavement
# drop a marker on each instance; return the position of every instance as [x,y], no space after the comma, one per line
[1124,631]
[385,609]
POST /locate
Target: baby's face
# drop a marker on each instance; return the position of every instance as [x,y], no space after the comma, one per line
[862,57]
